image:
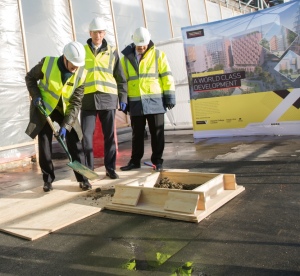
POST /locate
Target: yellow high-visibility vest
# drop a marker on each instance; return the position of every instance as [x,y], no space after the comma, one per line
[100,71]
[148,80]
[151,85]
[52,88]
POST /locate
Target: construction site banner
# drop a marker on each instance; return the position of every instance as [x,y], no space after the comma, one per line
[244,73]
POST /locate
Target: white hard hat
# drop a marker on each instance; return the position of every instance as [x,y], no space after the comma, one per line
[98,24]
[75,53]
[141,37]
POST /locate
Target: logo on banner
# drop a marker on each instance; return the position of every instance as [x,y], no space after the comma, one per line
[195,33]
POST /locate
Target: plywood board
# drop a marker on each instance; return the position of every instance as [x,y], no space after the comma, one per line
[127,196]
[212,187]
[32,227]
[188,177]
[229,182]
[181,202]
[32,201]
[34,213]
[218,202]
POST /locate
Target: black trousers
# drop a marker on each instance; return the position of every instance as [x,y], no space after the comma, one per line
[156,128]
[45,149]
[88,123]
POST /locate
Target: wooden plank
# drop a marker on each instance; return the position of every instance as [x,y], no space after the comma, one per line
[152,211]
[154,197]
[188,177]
[30,202]
[218,201]
[128,195]
[229,182]
[18,145]
[158,196]
[224,197]
[201,202]
[32,227]
[212,187]
[181,202]
[148,181]
[152,179]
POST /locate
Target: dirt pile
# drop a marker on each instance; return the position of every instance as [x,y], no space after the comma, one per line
[99,193]
[166,183]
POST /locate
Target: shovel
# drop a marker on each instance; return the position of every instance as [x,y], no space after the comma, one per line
[75,165]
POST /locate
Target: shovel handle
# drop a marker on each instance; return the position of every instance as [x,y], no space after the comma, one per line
[58,138]
[43,111]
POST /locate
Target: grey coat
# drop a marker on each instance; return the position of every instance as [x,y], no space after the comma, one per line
[37,120]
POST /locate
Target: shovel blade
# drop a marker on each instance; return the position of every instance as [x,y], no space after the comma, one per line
[83,170]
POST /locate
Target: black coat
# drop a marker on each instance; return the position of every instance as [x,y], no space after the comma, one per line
[37,120]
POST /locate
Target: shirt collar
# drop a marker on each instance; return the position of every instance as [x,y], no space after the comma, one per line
[94,46]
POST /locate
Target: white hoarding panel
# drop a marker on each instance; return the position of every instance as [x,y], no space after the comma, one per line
[158,22]
[14,98]
[47,28]
[179,15]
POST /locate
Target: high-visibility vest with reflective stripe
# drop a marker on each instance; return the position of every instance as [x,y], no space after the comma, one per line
[149,80]
[100,71]
[52,88]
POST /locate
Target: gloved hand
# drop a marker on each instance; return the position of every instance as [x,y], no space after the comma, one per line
[170,106]
[38,101]
[62,133]
[123,106]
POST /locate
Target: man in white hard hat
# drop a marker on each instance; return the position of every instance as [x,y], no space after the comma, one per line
[58,84]
[151,91]
[105,90]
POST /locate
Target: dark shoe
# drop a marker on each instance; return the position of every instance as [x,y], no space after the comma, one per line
[111,174]
[158,168]
[47,187]
[85,185]
[130,166]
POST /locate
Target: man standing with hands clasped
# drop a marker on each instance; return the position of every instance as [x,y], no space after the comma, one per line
[151,91]
[57,83]
[105,86]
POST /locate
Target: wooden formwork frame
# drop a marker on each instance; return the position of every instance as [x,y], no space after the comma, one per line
[142,197]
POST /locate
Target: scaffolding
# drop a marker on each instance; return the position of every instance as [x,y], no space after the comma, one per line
[248,5]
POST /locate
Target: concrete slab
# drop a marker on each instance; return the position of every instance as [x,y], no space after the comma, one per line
[256,233]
